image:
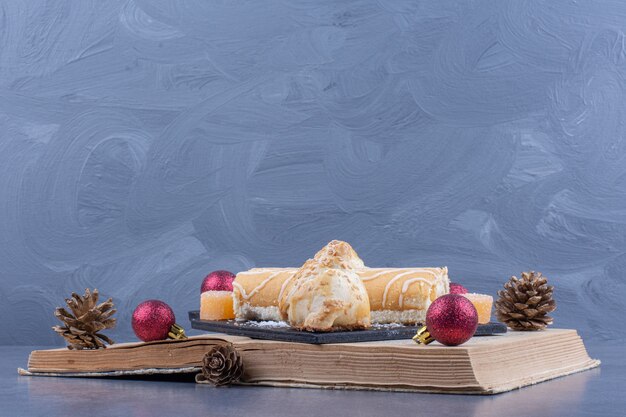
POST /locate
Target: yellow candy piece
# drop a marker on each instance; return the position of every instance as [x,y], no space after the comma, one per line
[216,305]
[483,303]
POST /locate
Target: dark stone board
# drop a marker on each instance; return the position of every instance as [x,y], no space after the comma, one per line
[287,334]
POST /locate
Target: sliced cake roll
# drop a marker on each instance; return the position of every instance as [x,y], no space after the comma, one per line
[402,295]
[396,295]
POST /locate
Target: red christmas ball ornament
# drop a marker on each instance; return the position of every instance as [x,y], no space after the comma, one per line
[457,288]
[218,281]
[155,320]
[451,320]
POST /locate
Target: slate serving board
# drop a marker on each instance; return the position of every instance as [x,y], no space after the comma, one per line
[287,334]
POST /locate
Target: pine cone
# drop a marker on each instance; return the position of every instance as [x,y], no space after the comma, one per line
[524,303]
[82,327]
[222,365]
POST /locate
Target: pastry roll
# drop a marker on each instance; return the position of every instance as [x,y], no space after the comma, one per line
[396,295]
[402,295]
[256,292]
[325,294]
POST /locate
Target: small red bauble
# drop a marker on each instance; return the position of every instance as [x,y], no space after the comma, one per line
[152,320]
[452,319]
[457,288]
[218,281]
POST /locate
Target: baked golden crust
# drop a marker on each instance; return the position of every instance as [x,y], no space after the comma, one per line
[338,254]
[404,288]
[262,287]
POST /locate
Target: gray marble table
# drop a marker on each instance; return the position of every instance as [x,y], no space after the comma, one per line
[599,392]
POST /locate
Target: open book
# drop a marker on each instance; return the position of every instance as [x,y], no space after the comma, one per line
[484,365]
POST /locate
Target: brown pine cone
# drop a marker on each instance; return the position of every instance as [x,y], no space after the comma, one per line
[524,303]
[83,324]
[222,365]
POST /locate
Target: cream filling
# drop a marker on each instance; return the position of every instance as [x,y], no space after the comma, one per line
[248,312]
[271,313]
[398,316]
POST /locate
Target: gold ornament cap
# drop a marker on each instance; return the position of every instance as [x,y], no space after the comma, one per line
[423,337]
[177,332]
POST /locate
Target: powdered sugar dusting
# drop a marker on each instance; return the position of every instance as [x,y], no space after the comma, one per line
[267,323]
[387,325]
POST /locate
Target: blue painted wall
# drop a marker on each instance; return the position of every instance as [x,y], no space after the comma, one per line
[146,143]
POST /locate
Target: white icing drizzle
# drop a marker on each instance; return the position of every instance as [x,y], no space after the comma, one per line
[397,277]
[383,271]
[258,287]
[405,287]
[282,287]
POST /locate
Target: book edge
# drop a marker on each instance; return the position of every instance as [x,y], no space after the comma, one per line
[590,364]
[145,371]
[472,390]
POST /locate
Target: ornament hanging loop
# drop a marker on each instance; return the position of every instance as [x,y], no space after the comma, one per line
[177,332]
[423,337]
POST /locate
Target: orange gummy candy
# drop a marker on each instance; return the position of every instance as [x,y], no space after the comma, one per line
[216,305]
[483,303]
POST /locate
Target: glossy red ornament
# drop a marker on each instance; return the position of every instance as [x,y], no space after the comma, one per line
[452,319]
[218,281]
[152,320]
[457,288]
